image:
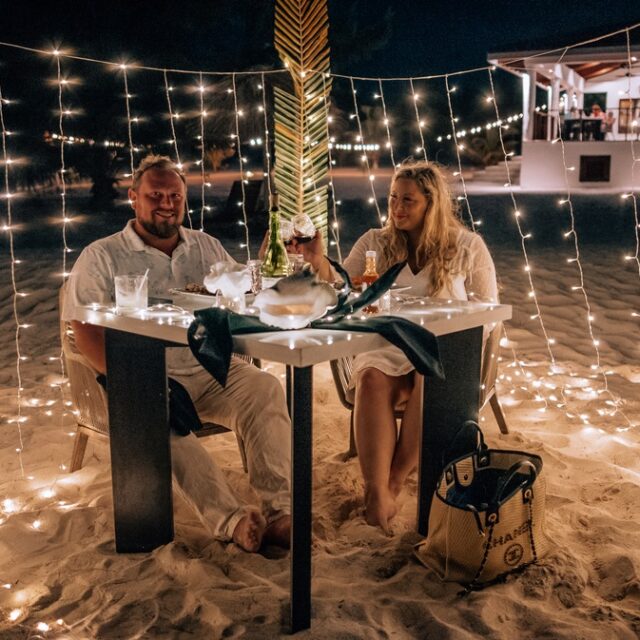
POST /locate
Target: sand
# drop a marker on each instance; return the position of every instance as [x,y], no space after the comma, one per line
[59,569]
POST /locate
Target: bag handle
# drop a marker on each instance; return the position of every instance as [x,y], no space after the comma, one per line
[509,475]
[465,428]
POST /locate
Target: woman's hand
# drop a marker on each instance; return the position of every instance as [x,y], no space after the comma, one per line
[312,251]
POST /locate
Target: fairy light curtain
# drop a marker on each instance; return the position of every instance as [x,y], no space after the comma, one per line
[102,117]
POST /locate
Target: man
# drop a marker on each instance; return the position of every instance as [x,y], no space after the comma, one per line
[252,402]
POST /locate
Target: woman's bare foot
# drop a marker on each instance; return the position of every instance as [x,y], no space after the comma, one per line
[278,532]
[249,532]
[395,488]
[380,507]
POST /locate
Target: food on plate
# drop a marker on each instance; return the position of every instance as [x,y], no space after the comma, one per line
[193,287]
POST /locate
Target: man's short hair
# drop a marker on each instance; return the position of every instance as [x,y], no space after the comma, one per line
[164,163]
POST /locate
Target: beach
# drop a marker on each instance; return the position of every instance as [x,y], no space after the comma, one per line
[568,384]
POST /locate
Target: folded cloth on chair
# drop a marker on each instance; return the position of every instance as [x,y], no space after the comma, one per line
[210,334]
[183,417]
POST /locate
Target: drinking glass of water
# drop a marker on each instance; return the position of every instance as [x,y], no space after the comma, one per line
[131,293]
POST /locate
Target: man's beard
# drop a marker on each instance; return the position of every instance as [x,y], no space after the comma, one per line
[164,229]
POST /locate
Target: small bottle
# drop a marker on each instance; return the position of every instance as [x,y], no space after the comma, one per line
[276,261]
[369,276]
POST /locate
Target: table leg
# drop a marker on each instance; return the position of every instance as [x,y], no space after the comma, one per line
[139,440]
[300,401]
[446,405]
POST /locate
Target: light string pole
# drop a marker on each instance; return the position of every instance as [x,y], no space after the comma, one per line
[459,148]
[174,139]
[247,244]
[415,97]
[365,157]
[18,419]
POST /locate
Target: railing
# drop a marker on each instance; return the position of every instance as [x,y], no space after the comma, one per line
[581,125]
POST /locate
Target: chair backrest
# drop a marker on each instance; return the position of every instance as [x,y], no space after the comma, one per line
[342,370]
[489,369]
[89,398]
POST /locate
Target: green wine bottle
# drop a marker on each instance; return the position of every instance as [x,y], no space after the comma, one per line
[276,261]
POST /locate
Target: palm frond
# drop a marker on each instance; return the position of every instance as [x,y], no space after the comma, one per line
[301,143]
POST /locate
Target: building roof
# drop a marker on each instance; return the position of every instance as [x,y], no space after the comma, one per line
[591,63]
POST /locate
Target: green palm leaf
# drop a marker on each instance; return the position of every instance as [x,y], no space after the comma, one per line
[301,143]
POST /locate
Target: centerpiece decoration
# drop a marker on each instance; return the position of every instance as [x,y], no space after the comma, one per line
[293,302]
[232,281]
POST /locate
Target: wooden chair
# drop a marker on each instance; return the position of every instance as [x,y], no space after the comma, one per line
[342,370]
[90,398]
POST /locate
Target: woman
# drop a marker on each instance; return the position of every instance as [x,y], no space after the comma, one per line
[444,260]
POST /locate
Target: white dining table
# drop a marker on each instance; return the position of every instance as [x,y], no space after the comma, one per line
[139,421]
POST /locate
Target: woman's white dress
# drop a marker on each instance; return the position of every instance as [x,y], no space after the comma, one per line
[472,277]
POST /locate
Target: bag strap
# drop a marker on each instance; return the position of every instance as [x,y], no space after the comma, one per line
[493,507]
[510,474]
[467,426]
[534,553]
[474,585]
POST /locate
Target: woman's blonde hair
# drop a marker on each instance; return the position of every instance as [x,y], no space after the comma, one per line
[437,245]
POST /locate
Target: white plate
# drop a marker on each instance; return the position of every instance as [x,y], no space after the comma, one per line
[199,300]
[188,297]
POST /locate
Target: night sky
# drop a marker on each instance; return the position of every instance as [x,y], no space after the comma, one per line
[372,38]
[368,37]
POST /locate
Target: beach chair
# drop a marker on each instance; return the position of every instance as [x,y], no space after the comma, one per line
[90,399]
[342,370]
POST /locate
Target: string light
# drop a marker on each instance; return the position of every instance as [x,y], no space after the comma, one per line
[12,270]
[242,178]
[543,396]
[174,138]
[477,129]
[517,217]
[458,149]
[335,227]
[127,98]
[386,123]
[415,97]
[635,160]
[63,191]
[203,204]
[365,158]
